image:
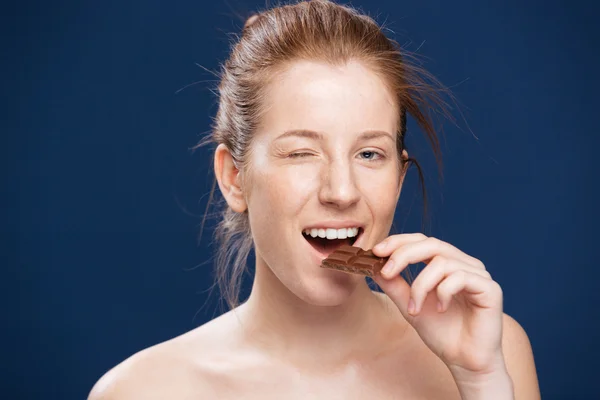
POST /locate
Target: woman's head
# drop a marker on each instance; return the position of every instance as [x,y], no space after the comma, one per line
[310,133]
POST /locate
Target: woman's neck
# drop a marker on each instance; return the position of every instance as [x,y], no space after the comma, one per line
[280,323]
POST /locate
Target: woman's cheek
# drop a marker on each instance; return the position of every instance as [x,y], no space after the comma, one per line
[296,179]
[381,189]
[285,186]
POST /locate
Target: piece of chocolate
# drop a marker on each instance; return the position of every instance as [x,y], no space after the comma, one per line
[354,260]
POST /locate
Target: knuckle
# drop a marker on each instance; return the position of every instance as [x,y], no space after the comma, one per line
[441,263]
[437,266]
[396,257]
[438,245]
[460,274]
[434,241]
[496,286]
[420,235]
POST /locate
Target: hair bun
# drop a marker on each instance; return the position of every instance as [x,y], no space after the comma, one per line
[250,21]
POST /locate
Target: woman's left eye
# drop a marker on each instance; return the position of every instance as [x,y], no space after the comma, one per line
[371,155]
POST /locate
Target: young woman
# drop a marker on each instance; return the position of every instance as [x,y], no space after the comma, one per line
[310,154]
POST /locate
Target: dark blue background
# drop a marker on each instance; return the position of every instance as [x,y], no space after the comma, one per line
[102,199]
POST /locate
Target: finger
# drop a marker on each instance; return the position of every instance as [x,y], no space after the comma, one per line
[436,271]
[386,247]
[479,291]
[425,251]
[391,243]
[398,290]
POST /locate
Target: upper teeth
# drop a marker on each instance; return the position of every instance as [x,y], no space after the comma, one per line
[330,233]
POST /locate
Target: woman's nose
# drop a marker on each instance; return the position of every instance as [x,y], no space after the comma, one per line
[338,187]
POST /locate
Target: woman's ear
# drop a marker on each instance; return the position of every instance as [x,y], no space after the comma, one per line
[403,171]
[228,177]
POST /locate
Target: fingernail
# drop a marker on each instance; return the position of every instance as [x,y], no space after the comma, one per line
[388,267]
[411,306]
[439,306]
[380,246]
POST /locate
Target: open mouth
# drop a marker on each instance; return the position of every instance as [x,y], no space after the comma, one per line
[327,246]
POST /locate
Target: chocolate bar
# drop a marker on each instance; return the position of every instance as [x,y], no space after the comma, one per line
[354,260]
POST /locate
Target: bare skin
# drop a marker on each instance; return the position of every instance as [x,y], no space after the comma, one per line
[231,367]
[305,331]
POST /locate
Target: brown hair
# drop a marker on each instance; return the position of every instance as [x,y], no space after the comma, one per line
[318,30]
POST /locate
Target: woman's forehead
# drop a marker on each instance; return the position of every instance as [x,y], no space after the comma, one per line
[324,98]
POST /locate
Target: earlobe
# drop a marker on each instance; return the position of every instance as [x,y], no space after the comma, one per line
[403,170]
[404,160]
[228,178]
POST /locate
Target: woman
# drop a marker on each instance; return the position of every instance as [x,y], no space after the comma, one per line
[310,155]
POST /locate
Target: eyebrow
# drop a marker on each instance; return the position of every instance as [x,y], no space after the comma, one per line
[305,133]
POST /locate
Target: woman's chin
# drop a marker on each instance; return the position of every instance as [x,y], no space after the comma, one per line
[331,288]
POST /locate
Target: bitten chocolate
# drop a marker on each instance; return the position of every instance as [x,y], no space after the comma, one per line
[354,260]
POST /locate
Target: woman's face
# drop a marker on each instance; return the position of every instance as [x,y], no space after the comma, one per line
[324,158]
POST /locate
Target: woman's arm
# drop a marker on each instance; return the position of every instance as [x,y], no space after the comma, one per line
[515,376]
[519,360]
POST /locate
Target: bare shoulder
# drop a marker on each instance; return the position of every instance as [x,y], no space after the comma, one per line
[179,368]
[158,372]
[520,363]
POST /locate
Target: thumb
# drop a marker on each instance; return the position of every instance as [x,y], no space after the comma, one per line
[398,290]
